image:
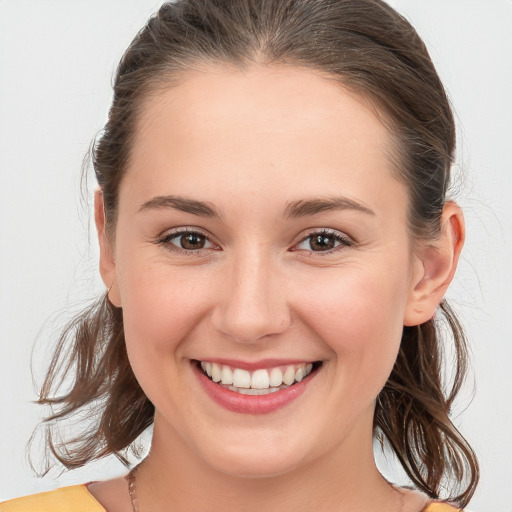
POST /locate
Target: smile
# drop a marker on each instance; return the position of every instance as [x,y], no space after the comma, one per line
[261,381]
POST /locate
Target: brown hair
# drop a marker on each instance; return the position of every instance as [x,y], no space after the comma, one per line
[365,46]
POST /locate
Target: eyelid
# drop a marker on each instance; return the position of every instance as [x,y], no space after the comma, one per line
[164,239]
[343,239]
[167,235]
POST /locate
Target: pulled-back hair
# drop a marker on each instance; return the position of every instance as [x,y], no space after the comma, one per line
[365,46]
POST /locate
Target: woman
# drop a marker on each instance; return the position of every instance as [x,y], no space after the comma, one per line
[275,240]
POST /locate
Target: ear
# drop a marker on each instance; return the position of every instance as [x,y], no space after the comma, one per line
[107,261]
[434,267]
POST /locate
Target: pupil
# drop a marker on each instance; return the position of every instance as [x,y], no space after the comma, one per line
[192,241]
[322,243]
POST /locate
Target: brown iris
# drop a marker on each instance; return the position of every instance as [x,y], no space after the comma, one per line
[321,242]
[192,241]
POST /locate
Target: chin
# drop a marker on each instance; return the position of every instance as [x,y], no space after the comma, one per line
[256,460]
[261,467]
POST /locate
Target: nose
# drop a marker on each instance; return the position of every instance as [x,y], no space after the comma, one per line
[252,304]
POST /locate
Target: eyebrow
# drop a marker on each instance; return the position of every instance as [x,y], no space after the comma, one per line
[199,208]
[294,209]
[306,207]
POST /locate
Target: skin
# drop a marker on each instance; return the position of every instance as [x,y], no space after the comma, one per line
[249,144]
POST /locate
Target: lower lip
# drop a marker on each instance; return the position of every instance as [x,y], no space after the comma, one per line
[252,404]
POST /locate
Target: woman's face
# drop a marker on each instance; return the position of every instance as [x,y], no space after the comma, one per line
[261,233]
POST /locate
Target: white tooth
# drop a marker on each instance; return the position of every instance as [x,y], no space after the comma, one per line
[299,374]
[276,377]
[241,378]
[309,367]
[208,369]
[289,376]
[260,379]
[226,375]
[203,365]
[216,372]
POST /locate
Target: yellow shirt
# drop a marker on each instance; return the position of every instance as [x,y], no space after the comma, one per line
[77,498]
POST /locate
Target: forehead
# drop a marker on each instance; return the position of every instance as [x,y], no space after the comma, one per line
[288,127]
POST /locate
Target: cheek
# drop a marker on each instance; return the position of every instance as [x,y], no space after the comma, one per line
[161,304]
[359,313]
[162,307]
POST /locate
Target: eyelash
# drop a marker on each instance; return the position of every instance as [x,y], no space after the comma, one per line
[339,238]
[343,241]
[166,241]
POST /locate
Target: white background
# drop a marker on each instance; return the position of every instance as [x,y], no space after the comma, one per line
[56,62]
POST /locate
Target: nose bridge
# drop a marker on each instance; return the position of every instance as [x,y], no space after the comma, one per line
[254,305]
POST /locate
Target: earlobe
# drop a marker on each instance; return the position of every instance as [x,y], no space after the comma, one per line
[435,267]
[107,261]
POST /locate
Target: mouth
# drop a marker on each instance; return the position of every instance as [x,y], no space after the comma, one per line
[260,381]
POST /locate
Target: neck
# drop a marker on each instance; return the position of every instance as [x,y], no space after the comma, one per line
[344,479]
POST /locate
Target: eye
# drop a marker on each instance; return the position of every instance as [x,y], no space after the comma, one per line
[190,241]
[186,240]
[324,241]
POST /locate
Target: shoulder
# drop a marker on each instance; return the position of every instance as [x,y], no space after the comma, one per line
[441,507]
[75,498]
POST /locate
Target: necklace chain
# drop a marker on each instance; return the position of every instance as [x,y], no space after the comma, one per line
[130,477]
